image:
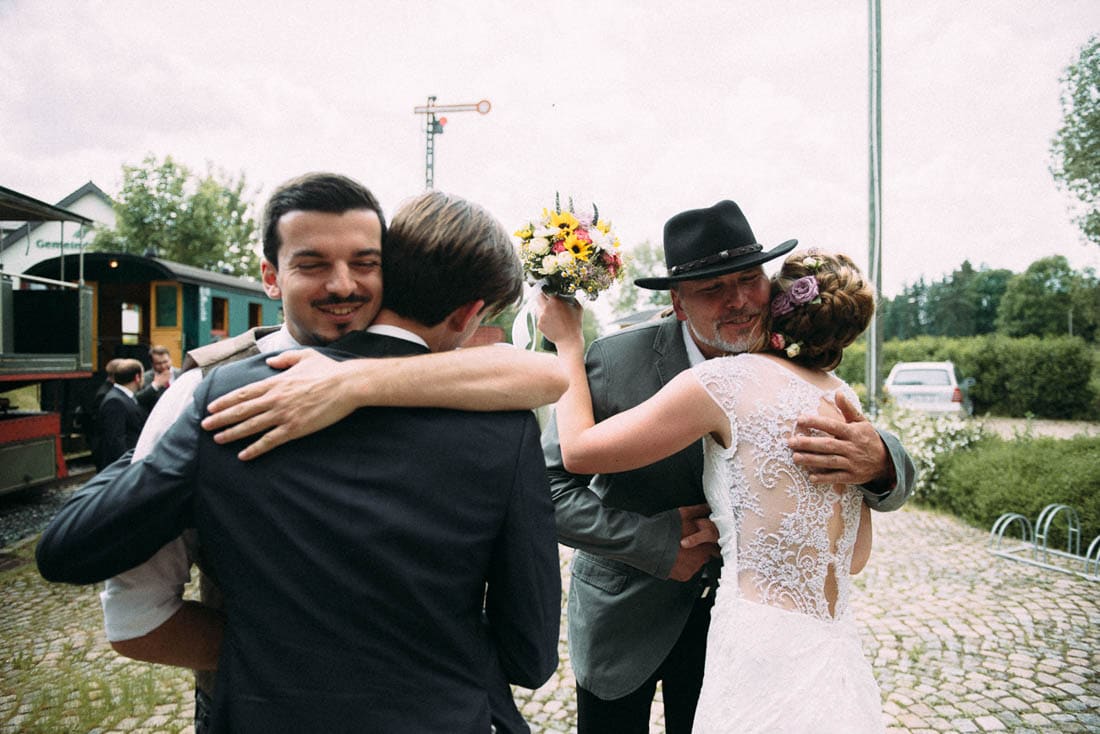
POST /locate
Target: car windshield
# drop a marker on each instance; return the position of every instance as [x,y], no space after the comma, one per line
[922,377]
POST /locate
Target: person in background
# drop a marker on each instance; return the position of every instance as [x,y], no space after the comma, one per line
[157,379]
[89,409]
[119,419]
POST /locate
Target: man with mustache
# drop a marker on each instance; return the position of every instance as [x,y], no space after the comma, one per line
[322,238]
[639,599]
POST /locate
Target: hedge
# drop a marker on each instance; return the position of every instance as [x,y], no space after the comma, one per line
[1045,378]
[1024,475]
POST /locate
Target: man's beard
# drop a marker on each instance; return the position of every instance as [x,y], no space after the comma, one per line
[743,343]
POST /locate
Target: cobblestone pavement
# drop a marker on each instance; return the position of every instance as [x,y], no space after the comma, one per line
[961,641]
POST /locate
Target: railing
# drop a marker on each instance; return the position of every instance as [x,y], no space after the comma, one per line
[1034,546]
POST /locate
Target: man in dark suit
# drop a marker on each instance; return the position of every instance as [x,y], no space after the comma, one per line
[156,380]
[383,573]
[639,601]
[119,418]
[89,409]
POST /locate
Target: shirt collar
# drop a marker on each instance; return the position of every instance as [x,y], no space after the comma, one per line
[128,391]
[397,333]
[277,341]
[694,355]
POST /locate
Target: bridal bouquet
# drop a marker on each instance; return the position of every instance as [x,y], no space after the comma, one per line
[565,252]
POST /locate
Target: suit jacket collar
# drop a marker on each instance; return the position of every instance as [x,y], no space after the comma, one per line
[366,344]
[669,344]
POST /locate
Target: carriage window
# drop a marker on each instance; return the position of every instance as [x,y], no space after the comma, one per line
[255,315]
[131,323]
[219,316]
[166,306]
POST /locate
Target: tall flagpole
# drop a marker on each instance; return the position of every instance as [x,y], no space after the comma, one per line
[874,259]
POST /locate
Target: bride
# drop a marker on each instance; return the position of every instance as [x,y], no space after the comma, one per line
[783,653]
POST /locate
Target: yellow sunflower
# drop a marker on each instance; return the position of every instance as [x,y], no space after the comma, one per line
[564,221]
[581,249]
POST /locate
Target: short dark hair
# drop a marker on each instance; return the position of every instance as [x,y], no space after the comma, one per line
[159,349]
[128,371]
[314,192]
[443,252]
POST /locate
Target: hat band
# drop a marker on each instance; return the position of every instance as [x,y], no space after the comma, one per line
[715,258]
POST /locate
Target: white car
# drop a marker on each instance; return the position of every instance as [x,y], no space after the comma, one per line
[929,386]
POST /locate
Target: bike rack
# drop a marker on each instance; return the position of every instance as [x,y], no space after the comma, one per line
[1034,546]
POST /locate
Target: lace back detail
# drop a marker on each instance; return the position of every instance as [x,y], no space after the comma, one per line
[789,541]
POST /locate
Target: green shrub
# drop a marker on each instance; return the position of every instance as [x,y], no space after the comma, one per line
[1023,475]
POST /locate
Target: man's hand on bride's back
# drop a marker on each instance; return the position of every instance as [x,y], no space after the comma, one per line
[698,542]
[851,452]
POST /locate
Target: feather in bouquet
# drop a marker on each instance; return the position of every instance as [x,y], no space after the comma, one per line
[566,252]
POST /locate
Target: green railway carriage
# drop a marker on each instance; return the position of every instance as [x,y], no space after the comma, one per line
[63,319]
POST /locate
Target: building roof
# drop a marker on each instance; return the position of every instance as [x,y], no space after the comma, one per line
[17,207]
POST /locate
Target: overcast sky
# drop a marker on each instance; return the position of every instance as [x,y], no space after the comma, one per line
[647,107]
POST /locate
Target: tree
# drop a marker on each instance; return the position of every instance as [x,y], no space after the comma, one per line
[644,260]
[167,211]
[1047,299]
[987,289]
[902,315]
[1076,146]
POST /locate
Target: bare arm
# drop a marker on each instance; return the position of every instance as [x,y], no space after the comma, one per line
[862,550]
[190,638]
[317,391]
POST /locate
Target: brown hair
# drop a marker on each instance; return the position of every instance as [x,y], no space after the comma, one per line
[443,252]
[833,320]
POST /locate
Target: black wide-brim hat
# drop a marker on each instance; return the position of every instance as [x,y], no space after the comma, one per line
[705,243]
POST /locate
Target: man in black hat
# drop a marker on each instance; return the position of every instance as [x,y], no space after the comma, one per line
[639,601]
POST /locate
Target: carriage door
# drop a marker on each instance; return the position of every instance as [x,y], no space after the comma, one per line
[166,324]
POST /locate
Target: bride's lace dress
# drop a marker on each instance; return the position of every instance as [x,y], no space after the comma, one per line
[783,654]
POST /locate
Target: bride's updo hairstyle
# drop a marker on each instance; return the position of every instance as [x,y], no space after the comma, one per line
[820,304]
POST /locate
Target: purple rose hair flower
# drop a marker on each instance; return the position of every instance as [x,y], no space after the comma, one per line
[781,304]
[803,290]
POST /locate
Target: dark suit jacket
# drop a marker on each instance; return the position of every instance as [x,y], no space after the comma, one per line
[119,421]
[624,613]
[354,561]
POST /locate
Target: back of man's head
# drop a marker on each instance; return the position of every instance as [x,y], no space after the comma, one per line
[314,192]
[443,252]
[128,371]
[112,367]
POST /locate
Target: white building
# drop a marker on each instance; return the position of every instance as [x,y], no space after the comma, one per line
[29,243]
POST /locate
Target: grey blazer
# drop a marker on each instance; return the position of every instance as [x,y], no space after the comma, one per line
[624,613]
